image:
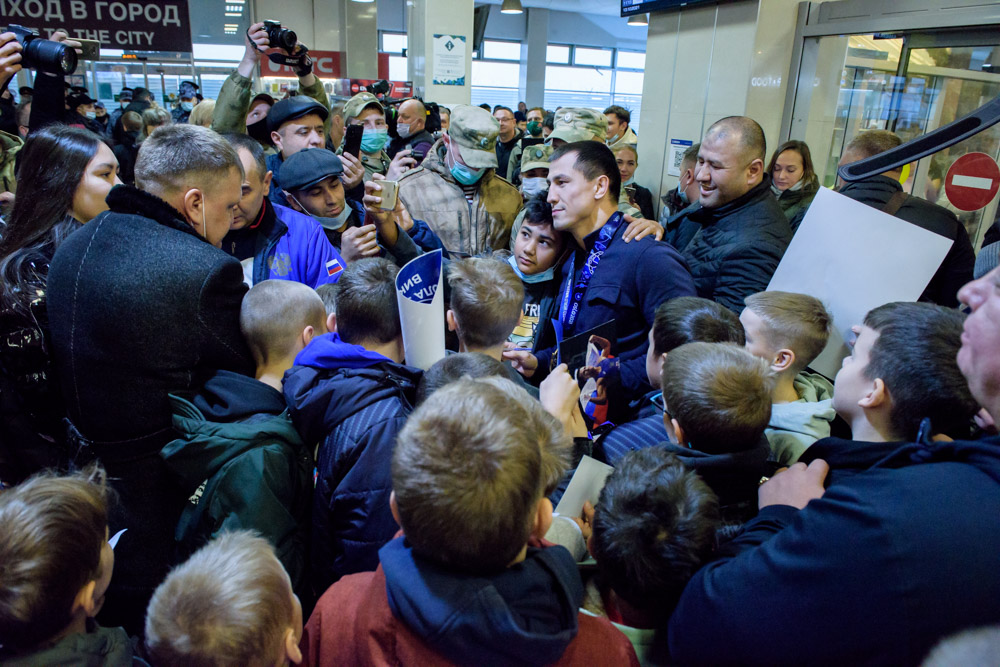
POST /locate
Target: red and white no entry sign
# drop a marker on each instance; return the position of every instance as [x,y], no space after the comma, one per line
[972,181]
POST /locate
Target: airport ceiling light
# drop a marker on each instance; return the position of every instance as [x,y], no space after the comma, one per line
[638,19]
[511,7]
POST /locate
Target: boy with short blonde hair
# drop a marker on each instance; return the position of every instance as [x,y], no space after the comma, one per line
[485,304]
[230,604]
[470,472]
[55,567]
[789,331]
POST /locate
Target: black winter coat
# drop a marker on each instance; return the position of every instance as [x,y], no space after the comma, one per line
[956,269]
[738,247]
[140,306]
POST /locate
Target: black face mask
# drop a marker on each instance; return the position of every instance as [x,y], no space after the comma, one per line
[260,132]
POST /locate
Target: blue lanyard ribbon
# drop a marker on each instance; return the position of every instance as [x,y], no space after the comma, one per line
[572,298]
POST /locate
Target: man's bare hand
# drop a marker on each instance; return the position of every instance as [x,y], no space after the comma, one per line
[794,486]
[640,228]
[559,394]
[400,164]
[354,171]
[10,56]
[523,361]
[358,243]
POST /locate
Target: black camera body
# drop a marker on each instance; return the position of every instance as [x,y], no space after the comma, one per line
[43,55]
[380,87]
[279,37]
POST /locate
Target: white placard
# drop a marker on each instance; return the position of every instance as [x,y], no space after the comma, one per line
[854,258]
[421,309]
[587,482]
[677,149]
[449,60]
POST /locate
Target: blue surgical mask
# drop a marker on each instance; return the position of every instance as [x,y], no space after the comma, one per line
[548,274]
[187,106]
[682,194]
[403,130]
[534,186]
[372,141]
[91,115]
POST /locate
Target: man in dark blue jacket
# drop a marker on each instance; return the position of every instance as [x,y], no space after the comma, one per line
[605,278]
[273,242]
[741,232]
[879,567]
[350,392]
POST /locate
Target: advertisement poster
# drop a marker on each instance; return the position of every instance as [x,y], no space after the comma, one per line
[449,60]
[421,309]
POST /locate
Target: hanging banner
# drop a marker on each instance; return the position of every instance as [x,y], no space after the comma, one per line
[421,309]
[449,60]
[146,25]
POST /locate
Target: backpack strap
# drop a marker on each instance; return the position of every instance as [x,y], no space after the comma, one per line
[895,202]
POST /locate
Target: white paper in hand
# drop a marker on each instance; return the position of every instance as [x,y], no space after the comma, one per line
[587,482]
[421,309]
[853,258]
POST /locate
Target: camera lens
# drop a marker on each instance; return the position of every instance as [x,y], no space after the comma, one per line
[49,56]
[288,39]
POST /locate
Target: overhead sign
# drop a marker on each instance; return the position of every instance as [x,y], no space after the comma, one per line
[972,181]
[146,25]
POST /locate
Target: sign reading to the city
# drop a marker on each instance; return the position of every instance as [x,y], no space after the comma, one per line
[145,25]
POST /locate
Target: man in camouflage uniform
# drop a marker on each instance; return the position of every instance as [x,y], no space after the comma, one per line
[456,190]
[364,109]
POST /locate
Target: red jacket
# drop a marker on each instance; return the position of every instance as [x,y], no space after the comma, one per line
[353,625]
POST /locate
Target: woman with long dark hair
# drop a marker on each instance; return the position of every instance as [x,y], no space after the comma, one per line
[793,179]
[62,179]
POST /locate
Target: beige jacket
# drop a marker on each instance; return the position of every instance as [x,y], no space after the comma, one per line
[431,194]
[627,139]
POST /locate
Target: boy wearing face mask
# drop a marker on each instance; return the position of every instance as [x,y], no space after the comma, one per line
[456,190]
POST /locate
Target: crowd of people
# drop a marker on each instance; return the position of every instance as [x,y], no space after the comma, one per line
[213,449]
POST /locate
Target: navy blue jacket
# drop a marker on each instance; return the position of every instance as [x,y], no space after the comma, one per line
[887,563]
[630,282]
[354,403]
[738,247]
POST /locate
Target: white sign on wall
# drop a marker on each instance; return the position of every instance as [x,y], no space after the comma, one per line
[449,60]
[677,148]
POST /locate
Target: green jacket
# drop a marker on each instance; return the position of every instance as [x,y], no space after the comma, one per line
[233,105]
[9,147]
[97,647]
[252,474]
[794,202]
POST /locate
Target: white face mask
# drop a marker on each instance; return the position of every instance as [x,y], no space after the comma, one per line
[334,223]
[403,130]
[534,186]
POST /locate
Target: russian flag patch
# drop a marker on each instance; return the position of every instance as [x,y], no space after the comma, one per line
[333,267]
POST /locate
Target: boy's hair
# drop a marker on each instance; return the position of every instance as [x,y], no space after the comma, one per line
[52,530]
[486,297]
[719,393]
[455,367]
[538,211]
[247,143]
[274,313]
[593,159]
[328,292]
[229,604]
[915,357]
[367,311]
[131,121]
[654,526]
[692,319]
[469,469]
[620,112]
[797,322]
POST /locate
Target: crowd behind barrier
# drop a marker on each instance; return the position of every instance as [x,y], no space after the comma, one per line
[216,447]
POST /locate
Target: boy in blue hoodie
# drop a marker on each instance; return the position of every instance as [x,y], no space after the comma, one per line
[350,393]
[238,454]
[789,331]
[470,472]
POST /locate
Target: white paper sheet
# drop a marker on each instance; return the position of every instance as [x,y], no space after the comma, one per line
[421,309]
[587,482]
[854,258]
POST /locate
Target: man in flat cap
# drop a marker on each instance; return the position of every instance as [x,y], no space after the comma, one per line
[456,190]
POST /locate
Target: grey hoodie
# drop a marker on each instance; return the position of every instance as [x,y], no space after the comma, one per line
[795,426]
